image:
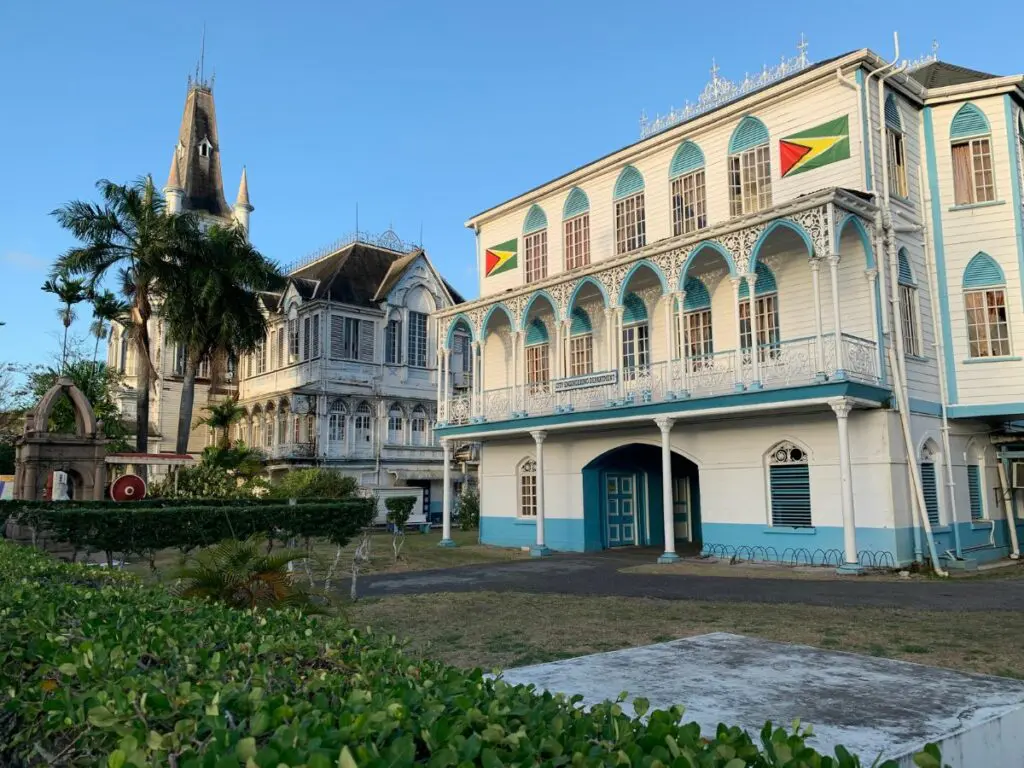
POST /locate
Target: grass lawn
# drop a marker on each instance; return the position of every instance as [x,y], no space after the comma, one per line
[493,630]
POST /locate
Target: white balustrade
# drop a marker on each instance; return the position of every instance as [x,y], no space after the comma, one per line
[861,359]
[712,374]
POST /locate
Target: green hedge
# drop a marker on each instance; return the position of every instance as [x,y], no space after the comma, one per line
[100,671]
[143,530]
[14,506]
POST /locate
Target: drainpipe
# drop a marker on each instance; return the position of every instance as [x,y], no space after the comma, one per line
[1008,506]
[940,358]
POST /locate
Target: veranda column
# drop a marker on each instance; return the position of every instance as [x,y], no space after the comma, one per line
[833,264]
[441,409]
[479,372]
[851,564]
[755,347]
[681,330]
[667,500]
[819,336]
[446,496]
[540,549]
[474,348]
[738,362]
[609,350]
[617,359]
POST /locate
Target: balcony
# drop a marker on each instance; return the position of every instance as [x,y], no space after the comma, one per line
[792,363]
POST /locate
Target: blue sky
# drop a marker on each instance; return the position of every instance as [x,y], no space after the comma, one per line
[422,114]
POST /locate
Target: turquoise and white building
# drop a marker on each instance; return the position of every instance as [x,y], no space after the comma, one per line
[787,323]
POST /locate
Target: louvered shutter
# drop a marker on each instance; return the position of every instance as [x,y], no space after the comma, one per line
[306,330]
[337,337]
[931,491]
[791,495]
[279,351]
[366,341]
[315,351]
[974,491]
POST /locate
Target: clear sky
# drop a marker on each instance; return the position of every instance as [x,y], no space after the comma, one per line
[422,113]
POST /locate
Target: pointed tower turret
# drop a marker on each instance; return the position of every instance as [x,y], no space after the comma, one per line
[242,205]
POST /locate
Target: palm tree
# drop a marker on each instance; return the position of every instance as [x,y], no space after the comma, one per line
[70,291]
[106,308]
[131,231]
[220,418]
[212,307]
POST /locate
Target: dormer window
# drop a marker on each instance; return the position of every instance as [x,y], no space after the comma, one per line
[204,148]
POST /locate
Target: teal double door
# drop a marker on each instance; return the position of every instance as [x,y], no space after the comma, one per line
[621,506]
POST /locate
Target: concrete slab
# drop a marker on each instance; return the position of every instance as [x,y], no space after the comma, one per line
[871,706]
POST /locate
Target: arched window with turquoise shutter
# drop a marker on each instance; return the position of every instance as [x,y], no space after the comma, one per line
[576,215]
[766,304]
[630,220]
[536,220]
[895,148]
[580,322]
[535,243]
[971,149]
[750,168]
[636,337]
[694,338]
[576,204]
[892,114]
[908,305]
[581,343]
[536,332]
[984,288]
[633,310]
[688,189]
[764,284]
[687,158]
[906,275]
[697,296]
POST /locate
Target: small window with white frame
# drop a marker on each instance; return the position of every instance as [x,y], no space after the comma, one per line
[694,338]
[766,303]
[750,168]
[636,338]
[630,214]
[418,426]
[908,307]
[577,241]
[417,340]
[896,151]
[581,343]
[984,292]
[396,425]
[971,148]
[527,506]
[336,422]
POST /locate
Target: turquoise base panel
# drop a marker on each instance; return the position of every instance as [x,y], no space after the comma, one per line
[560,534]
[789,544]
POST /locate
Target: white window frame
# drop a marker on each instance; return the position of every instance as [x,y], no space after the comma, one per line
[581,354]
[526,489]
[630,224]
[418,426]
[987,305]
[910,315]
[535,248]
[768,333]
[695,341]
[396,425]
[393,342]
[417,344]
[974,192]
[787,453]
[336,423]
[362,425]
[538,366]
[636,346]
[689,203]
[896,147]
[750,180]
[577,241]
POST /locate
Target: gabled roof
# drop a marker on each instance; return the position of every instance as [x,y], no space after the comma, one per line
[940,74]
[394,274]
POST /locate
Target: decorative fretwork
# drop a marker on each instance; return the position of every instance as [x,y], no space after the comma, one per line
[741,244]
[561,293]
[476,316]
[612,279]
[815,224]
[669,263]
[787,453]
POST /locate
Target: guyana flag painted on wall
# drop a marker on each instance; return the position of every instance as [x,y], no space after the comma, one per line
[500,258]
[813,148]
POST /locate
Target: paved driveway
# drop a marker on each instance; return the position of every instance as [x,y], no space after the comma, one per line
[598,574]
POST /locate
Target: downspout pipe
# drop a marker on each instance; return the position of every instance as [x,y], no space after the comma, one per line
[1009,505]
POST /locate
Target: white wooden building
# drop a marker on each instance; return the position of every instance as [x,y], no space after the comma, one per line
[781,325]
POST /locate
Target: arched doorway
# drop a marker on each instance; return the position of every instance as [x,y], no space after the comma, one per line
[622,499]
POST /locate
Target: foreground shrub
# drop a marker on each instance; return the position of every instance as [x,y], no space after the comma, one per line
[399,511]
[314,484]
[467,510]
[96,670]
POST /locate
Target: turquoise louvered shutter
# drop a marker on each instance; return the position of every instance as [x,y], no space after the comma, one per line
[634,310]
[536,332]
[968,121]
[892,113]
[580,322]
[790,495]
[983,272]
[697,296]
[906,276]
[764,284]
[536,220]
[575,204]
[630,183]
[751,132]
[974,491]
[687,158]
[930,491]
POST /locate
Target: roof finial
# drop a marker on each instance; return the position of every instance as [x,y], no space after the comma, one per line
[714,70]
[802,47]
[202,54]
[935,49]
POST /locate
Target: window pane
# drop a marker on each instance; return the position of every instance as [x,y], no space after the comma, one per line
[577,241]
[417,339]
[984,184]
[581,359]
[536,246]
[538,364]
[963,183]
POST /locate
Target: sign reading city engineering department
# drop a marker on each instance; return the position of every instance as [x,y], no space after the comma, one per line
[587,380]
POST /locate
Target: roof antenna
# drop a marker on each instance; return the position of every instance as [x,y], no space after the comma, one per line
[421,234]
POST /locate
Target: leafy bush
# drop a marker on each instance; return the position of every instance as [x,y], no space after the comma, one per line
[467,510]
[111,673]
[142,531]
[314,484]
[202,481]
[399,510]
[241,574]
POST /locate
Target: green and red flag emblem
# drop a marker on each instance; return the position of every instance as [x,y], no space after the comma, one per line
[813,148]
[500,258]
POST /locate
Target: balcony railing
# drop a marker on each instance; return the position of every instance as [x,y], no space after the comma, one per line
[791,363]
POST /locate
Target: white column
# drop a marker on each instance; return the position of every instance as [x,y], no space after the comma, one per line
[667,500]
[609,350]
[755,351]
[446,496]
[833,263]
[516,372]
[474,380]
[437,373]
[738,373]
[842,408]
[540,549]
[681,330]
[479,373]
[617,359]
[670,352]
[819,336]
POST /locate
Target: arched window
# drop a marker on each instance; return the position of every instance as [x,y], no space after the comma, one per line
[538,355]
[971,146]
[630,225]
[527,506]
[535,244]
[581,343]
[364,426]
[336,423]
[929,481]
[576,217]
[396,425]
[393,340]
[789,485]
[257,430]
[694,333]
[984,289]
[766,299]
[750,168]
[123,359]
[689,193]
[310,429]
[908,306]
[268,432]
[636,337]
[895,147]
[282,422]
[293,333]
[418,425]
